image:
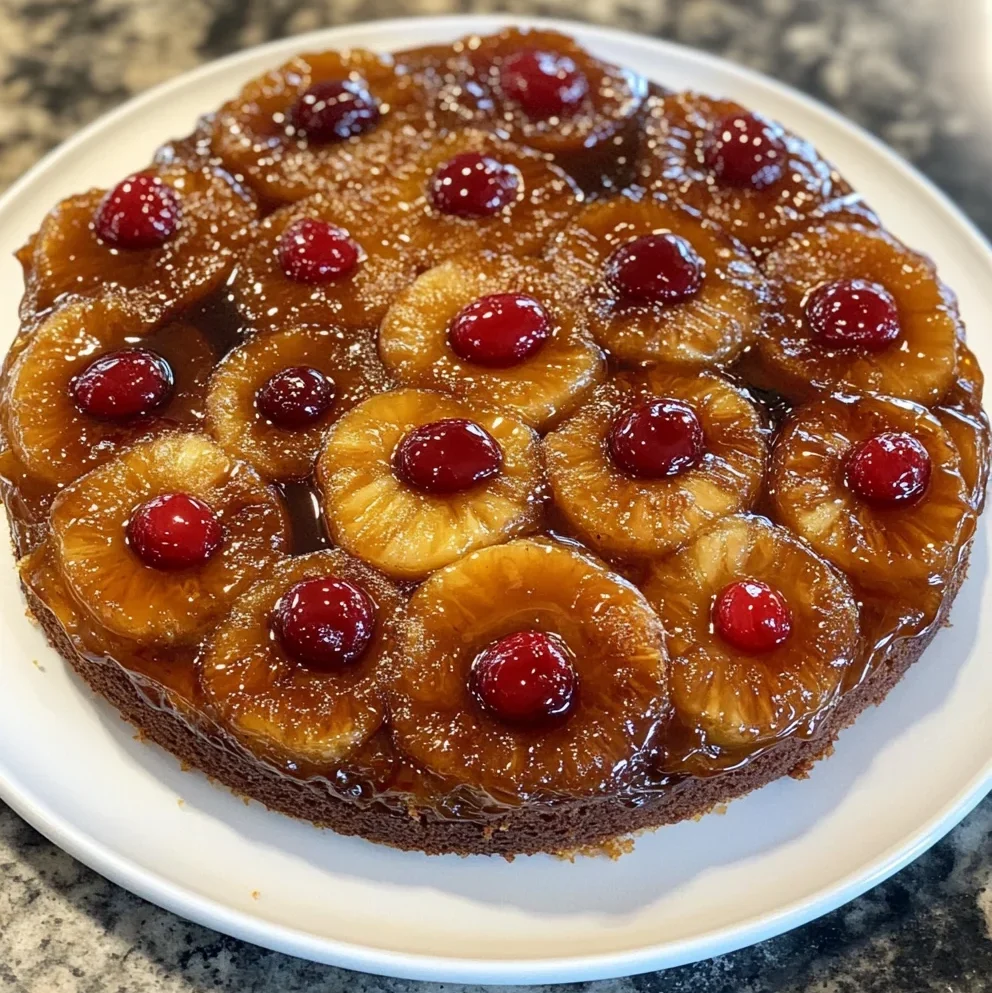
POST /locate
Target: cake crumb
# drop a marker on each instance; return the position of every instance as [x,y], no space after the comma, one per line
[613,849]
[180,802]
[184,766]
[255,894]
[38,665]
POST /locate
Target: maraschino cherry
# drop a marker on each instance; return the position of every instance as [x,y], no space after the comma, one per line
[543,84]
[174,531]
[499,330]
[315,252]
[473,185]
[745,150]
[447,456]
[752,616]
[890,469]
[296,397]
[334,110]
[526,679]
[121,385]
[853,313]
[139,212]
[326,623]
[656,268]
[656,438]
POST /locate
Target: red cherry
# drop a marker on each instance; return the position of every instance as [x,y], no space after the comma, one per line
[500,330]
[657,268]
[543,84]
[889,469]
[746,150]
[174,531]
[447,456]
[527,679]
[752,616]
[139,212]
[118,386]
[334,110]
[326,623]
[656,438]
[473,185]
[315,252]
[853,313]
[295,397]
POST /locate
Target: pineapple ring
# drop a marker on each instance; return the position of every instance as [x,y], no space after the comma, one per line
[884,549]
[676,131]
[540,390]
[737,698]
[251,135]
[406,533]
[233,417]
[918,366]
[270,300]
[709,328]
[89,520]
[53,439]
[635,518]
[614,636]
[467,93]
[961,414]
[281,708]
[67,258]
[546,198]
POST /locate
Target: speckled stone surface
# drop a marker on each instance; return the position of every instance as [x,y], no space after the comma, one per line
[913,71]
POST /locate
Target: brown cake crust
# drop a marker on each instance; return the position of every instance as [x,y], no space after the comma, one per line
[525,830]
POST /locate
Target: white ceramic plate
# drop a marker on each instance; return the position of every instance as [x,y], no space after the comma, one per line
[899,779]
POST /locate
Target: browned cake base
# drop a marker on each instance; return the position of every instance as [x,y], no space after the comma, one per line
[530,829]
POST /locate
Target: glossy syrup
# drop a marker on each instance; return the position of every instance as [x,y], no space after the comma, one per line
[167,679]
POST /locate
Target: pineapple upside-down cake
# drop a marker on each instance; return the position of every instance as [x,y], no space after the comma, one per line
[482,450]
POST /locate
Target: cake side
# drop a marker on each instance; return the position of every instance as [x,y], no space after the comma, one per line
[565,830]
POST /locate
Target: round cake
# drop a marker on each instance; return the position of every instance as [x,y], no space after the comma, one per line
[481,449]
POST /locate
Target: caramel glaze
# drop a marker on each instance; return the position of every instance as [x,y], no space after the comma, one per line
[166,677]
[378,774]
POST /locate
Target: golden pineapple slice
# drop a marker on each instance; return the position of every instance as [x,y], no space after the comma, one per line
[760,631]
[960,412]
[493,329]
[470,192]
[215,220]
[660,283]
[54,439]
[289,711]
[262,135]
[328,261]
[305,378]
[900,338]
[895,514]
[406,530]
[600,626]
[91,520]
[718,470]
[792,187]
[587,120]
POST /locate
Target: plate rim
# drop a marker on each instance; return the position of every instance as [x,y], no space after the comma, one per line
[151,886]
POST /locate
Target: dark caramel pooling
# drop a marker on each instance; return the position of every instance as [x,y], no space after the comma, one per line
[298,381]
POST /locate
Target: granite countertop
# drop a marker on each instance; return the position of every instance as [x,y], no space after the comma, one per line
[913,71]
